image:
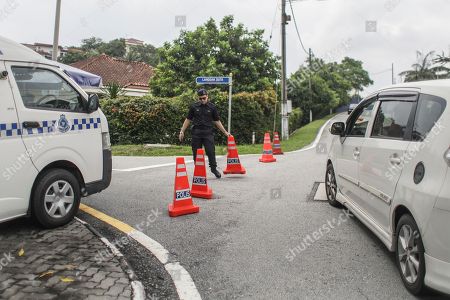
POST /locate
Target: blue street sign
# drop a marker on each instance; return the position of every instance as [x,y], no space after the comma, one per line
[213,80]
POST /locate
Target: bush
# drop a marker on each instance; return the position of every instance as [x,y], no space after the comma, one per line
[158,120]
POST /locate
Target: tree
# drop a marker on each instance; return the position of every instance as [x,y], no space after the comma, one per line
[353,71]
[425,69]
[442,59]
[215,51]
[91,44]
[144,53]
[115,48]
[113,90]
[73,56]
[331,84]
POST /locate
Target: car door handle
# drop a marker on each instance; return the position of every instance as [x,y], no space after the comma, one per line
[356,153]
[31,124]
[395,159]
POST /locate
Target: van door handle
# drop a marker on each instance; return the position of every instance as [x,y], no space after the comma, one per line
[31,124]
[395,159]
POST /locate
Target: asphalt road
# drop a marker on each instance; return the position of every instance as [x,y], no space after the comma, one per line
[239,245]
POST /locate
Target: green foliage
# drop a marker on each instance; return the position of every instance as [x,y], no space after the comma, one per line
[295,119]
[213,50]
[116,48]
[73,56]
[331,85]
[143,53]
[158,120]
[426,69]
[113,90]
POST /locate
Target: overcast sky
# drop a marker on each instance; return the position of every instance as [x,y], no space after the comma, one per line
[332,28]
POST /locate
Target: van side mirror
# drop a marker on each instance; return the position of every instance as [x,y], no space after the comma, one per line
[93,103]
[338,128]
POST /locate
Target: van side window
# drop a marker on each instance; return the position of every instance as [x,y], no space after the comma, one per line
[392,119]
[44,89]
[360,121]
[429,110]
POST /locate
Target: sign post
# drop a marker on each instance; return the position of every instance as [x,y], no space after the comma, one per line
[220,80]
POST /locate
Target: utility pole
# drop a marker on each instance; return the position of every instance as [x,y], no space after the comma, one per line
[56,34]
[310,82]
[393,76]
[284,115]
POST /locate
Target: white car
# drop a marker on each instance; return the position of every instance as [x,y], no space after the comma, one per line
[54,140]
[390,166]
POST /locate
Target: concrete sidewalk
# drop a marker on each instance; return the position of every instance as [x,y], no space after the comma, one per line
[70,262]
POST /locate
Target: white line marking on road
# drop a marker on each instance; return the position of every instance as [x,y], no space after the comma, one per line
[156,248]
[183,281]
[156,166]
[149,167]
[316,141]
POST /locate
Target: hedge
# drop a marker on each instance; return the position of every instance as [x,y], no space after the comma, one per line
[149,119]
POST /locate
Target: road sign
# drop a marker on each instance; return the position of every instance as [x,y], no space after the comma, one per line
[213,80]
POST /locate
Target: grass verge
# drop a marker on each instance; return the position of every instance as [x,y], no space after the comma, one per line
[299,139]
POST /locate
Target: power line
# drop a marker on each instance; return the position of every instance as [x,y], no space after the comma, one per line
[296,28]
[273,22]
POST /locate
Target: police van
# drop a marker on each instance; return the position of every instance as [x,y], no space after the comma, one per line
[54,139]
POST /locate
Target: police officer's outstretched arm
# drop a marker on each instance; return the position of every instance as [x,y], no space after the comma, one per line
[221,128]
[218,123]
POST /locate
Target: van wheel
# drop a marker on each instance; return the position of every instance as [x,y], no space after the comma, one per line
[410,256]
[331,186]
[56,198]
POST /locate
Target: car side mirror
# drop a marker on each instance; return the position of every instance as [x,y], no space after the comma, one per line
[93,103]
[338,128]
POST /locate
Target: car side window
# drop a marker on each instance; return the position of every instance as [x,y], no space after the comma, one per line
[429,110]
[392,119]
[44,89]
[360,122]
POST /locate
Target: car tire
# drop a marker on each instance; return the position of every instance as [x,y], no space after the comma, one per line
[410,257]
[56,198]
[331,186]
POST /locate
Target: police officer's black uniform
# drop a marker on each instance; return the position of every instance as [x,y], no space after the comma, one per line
[202,117]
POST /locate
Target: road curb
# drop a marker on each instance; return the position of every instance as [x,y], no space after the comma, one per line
[181,278]
[136,285]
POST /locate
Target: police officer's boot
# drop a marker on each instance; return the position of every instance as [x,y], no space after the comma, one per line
[216,172]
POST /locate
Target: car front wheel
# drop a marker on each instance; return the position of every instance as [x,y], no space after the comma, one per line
[331,186]
[410,256]
[56,198]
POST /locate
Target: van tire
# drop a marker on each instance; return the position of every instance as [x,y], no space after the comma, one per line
[407,222]
[68,198]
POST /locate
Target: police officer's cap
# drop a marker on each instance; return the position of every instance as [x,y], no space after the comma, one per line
[202,92]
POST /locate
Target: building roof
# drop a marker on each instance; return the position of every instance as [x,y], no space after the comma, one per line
[12,51]
[114,70]
[134,41]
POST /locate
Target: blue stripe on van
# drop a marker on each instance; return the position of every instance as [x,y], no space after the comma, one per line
[15,129]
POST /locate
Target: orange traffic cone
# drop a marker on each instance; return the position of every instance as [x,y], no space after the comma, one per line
[233,163]
[276,144]
[267,156]
[200,188]
[182,201]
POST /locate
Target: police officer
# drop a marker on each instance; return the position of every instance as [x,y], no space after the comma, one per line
[203,114]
